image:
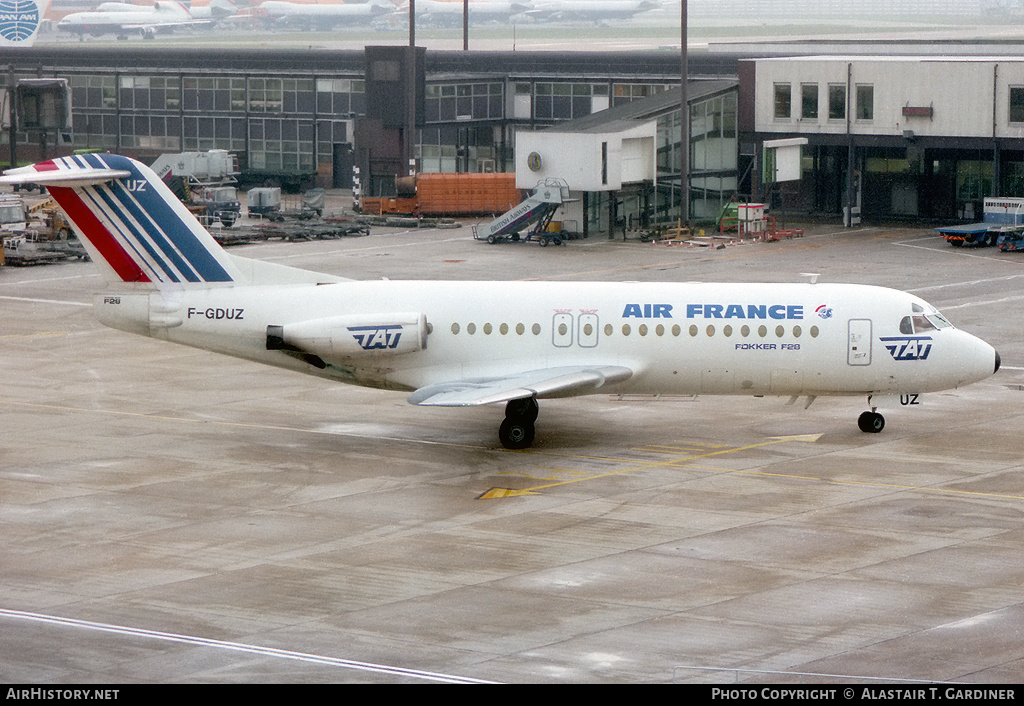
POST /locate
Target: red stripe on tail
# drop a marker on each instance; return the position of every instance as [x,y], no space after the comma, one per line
[101,238]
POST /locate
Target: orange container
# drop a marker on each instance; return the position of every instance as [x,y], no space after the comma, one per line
[444,194]
[465,194]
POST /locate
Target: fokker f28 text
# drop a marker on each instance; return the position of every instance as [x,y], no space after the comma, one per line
[455,344]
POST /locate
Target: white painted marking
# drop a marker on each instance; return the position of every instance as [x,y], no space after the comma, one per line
[948,251]
[241,647]
[984,303]
[49,279]
[968,283]
[342,252]
[46,301]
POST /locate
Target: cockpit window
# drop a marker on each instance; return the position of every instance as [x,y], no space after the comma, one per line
[923,322]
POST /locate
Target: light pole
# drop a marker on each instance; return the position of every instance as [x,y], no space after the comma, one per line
[684,121]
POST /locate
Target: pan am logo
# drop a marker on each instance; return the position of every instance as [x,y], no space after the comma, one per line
[19,19]
[908,347]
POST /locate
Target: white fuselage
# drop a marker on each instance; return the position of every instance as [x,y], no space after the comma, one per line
[161,15]
[686,338]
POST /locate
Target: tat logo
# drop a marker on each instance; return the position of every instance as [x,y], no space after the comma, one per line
[376,338]
[908,347]
[824,312]
[19,19]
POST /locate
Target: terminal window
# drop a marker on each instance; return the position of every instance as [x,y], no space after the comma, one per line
[1017,104]
[809,101]
[783,101]
[837,101]
[865,102]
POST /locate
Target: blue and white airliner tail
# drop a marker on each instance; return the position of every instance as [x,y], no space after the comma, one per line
[20,21]
[132,222]
[134,227]
[456,344]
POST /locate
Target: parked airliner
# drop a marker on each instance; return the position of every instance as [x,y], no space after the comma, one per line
[213,10]
[590,10]
[474,343]
[449,12]
[162,16]
[325,16]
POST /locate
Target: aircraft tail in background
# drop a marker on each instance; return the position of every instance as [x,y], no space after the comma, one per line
[20,21]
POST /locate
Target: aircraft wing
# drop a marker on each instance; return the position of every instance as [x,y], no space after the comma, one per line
[564,381]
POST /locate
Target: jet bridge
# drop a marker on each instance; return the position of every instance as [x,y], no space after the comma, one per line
[539,208]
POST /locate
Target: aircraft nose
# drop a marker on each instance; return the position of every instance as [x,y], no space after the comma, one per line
[980,359]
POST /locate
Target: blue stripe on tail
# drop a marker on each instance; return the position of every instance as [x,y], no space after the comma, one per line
[145,201]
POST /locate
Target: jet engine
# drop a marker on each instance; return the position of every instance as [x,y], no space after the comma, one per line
[348,336]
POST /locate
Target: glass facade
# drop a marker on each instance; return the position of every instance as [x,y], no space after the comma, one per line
[714,151]
[281,125]
[294,124]
[304,125]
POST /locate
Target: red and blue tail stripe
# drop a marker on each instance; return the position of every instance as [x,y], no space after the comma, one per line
[133,221]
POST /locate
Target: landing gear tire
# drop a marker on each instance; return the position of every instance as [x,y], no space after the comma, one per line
[871,422]
[516,433]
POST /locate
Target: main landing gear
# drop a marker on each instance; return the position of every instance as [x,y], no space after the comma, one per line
[517,431]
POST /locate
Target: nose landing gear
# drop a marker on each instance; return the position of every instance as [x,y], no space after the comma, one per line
[871,422]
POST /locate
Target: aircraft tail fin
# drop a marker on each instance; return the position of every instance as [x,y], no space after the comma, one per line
[20,22]
[137,230]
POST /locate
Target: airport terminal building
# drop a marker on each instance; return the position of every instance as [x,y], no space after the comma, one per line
[898,137]
[289,111]
[304,116]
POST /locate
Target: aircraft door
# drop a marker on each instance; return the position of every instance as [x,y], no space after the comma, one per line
[561,330]
[858,350]
[588,325]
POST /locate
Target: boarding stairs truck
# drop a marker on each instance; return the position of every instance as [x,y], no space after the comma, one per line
[539,208]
